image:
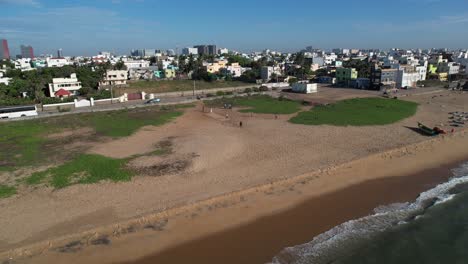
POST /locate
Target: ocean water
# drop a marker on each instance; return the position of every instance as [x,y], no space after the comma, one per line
[432,229]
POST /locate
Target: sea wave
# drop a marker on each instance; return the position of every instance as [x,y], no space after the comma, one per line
[326,247]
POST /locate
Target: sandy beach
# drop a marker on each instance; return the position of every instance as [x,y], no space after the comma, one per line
[258,241]
[241,188]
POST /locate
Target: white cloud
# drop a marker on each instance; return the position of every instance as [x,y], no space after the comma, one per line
[33,3]
[454,19]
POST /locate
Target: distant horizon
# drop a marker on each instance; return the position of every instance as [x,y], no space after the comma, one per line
[85,27]
[38,54]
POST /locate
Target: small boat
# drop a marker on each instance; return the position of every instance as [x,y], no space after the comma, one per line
[426,130]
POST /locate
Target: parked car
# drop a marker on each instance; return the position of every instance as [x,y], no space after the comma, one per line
[153,101]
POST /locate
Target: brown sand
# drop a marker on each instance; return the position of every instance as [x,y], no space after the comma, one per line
[321,191]
[259,241]
[241,174]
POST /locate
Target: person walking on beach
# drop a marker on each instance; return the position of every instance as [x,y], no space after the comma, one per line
[240,124]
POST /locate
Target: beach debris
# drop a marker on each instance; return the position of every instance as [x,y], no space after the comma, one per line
[458,119]
[71,247]
[159,226]
[102,240]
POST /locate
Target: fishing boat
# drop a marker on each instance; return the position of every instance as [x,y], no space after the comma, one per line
[426,130]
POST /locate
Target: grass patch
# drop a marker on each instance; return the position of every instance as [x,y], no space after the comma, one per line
[7,191]
[19,143]
[161,152]
[358,112]
[165,86]
[261,104]
[85,169]
[24,143]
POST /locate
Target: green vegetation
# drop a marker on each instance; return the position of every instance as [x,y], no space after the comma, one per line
[25,143]
[362,67]
[165,86]
[261,104]
[7,191]
[34,83]
[84,169]
[358,112]
[432,83]
[19,143]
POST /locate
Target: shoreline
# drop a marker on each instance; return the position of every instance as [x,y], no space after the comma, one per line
[255,243]
[179,226]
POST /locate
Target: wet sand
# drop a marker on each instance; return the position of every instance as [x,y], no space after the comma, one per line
[259,241]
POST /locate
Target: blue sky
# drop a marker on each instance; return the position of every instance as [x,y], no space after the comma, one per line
[84,27]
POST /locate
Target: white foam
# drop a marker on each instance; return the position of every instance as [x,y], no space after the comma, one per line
[444,198]
[325,247]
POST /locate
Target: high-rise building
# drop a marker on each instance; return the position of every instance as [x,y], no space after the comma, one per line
[212,50]
[4,51]
[202,49]
[59,53]
[27,52]
[138,53]
[149,52]
[189,51]
[206,49]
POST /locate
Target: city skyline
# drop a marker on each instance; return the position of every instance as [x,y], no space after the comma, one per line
[86,27]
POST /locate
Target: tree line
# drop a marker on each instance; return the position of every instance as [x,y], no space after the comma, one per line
[32,86]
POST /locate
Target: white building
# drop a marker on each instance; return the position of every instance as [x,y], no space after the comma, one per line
[422,71]
[133,64]
[190,51]
[305,88]
[57,62]
[407,77]
[112,77]
[329,59]
[23,64]
[105,54]
[223,51]
[235,69]
[71,85]
[454,68]
[4,80]
[266,72]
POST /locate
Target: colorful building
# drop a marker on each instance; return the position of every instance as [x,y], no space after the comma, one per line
[432,69]
[346,74]
[4,50]
[169,73]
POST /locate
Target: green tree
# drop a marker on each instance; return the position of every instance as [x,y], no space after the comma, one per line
[181,63]
[292,80]
[6,64]
[250,76]
[244,62]
[363,67]
[120,65]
